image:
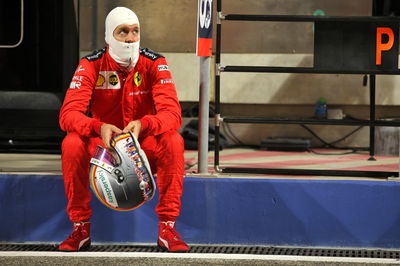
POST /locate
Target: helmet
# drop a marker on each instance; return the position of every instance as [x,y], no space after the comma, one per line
[122,179]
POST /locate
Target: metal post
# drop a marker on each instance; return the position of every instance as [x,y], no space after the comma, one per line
[217,86]
[372,85]
[204,114]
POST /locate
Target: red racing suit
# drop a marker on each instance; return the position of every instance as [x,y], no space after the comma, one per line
[101,91]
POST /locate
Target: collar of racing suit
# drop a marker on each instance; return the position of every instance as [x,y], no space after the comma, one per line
[139,66]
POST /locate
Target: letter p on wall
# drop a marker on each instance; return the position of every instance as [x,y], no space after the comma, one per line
[380,31]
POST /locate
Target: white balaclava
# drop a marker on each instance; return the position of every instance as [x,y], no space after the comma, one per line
[125,54]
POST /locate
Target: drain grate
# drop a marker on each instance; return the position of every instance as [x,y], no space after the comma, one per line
[254,250]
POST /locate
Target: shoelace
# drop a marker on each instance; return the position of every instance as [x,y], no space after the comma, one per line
[79,229]
[171,230]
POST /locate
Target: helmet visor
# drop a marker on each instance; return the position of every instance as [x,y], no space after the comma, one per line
[103,158]
[103,155]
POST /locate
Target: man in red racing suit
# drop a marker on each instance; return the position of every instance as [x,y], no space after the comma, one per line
[141,99]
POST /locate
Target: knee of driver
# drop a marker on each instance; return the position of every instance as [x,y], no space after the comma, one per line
[172,141]
[72,143]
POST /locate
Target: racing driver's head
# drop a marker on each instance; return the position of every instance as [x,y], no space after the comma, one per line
[123,36]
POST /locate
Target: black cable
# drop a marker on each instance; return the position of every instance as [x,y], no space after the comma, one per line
[231,135]
[346,136]
[247,146]
[341,153]
[316,136]
[331,144]
[239,143]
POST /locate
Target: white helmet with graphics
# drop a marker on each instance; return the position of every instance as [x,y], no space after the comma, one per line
[122,179]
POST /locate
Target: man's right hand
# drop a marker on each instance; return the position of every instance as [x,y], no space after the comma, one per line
[106,132]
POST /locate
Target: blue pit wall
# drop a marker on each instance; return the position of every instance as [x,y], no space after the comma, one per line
[247,211]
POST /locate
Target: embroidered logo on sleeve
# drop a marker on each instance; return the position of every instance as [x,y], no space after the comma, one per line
[79,69]
[108,80]
[75,85]
[76,82]
[165,81]
[163,68]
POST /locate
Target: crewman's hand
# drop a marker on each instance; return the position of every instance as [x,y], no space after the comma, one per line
[106,132]
[134,127]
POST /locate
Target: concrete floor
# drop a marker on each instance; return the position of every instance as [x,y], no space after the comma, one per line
[140,258]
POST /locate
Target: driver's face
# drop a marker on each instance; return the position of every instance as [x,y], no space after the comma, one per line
[127,33]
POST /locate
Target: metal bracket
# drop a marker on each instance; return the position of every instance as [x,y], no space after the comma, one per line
[220,17]
[218,120]
[218,69]
[217,169]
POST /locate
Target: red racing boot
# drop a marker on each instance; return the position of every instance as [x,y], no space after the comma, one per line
[169,239]
[79,239]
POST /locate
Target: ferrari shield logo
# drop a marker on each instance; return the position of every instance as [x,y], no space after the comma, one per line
[138,79]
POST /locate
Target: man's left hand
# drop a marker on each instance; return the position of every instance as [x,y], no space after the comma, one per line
[134,127]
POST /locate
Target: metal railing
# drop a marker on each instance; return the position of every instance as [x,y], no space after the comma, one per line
[371,123]
[21,37]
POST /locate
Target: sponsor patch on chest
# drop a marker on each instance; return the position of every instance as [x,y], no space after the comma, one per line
[108,80]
